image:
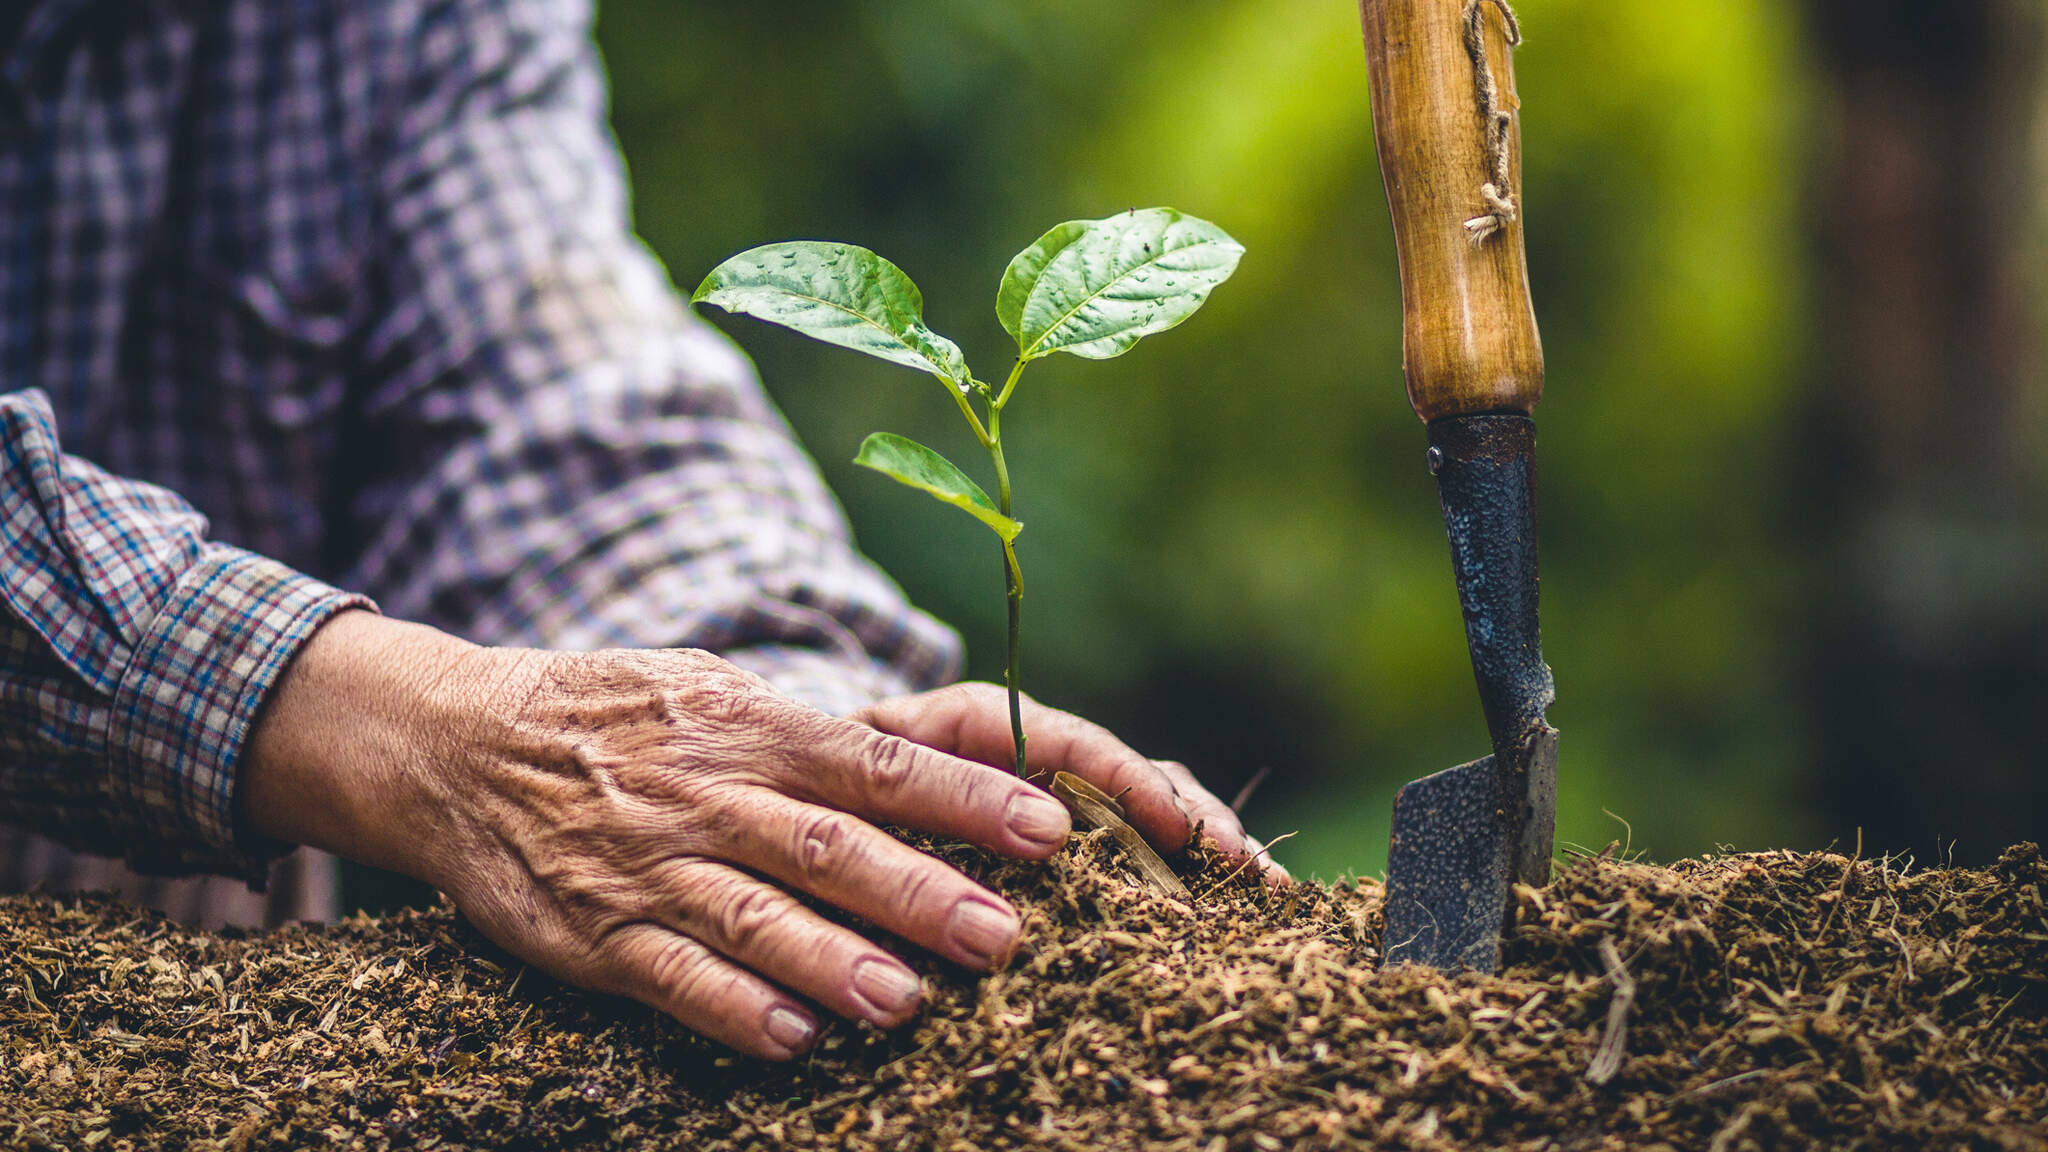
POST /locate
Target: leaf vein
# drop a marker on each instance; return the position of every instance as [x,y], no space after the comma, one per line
[863,318]
[1070,313]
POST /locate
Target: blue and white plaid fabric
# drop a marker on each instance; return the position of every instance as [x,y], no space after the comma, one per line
[354,279]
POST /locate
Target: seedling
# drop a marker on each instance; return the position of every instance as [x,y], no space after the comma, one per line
[1092,288]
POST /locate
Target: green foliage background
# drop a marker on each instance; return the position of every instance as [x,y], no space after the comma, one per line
[1235,554]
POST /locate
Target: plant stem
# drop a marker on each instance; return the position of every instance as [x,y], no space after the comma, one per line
[1014,582]
[1013,576]
[1009,386]
[967,410]
[995,452]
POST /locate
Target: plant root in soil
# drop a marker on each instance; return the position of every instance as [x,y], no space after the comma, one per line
[1762,1001]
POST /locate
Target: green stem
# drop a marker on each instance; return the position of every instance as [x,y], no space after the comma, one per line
[967,410]
[1013,576]
[1014,582]
[1009,386]
[995,453]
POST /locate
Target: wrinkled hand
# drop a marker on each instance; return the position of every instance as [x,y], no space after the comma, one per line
[636,821]
[1161,798]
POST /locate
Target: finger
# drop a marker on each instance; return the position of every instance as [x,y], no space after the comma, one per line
[1156,805]
[712,996]
[769,932]
[891,780]
[1218,822]
[844,860]
[972,720]
[1275,873]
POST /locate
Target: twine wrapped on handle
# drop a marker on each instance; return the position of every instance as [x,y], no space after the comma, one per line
[1500,122]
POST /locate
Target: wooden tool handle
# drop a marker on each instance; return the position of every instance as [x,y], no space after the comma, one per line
[1450,154]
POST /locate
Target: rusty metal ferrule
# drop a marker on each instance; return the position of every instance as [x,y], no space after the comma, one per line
[1485,469]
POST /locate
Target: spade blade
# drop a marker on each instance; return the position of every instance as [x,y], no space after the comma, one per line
[1462,839]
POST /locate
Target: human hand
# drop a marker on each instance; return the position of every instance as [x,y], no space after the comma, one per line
[1161,798]
[636,821]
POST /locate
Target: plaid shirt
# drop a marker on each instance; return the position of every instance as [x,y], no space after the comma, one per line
[354,280]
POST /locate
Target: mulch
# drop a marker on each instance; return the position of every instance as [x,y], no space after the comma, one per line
[1760,1001]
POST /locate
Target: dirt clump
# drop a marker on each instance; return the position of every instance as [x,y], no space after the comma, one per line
[1740,1002]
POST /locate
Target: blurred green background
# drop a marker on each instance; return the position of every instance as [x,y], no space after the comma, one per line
[1235,557]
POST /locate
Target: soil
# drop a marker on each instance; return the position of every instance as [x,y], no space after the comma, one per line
[1760,1001]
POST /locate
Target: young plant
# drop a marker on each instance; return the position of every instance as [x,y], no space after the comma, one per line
[1091,288]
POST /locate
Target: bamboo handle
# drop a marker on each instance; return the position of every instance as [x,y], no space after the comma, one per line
[1469,342]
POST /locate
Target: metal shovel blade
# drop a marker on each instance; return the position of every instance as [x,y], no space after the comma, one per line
[1462,839]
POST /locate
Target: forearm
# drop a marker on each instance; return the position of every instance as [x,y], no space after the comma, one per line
[351,750]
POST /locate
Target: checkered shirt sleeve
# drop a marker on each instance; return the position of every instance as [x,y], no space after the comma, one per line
[135,655]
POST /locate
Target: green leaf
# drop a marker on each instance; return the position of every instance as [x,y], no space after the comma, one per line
[838,293]
[908,462]
[1095,287]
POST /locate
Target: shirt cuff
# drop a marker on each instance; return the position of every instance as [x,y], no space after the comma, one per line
[829,682]
[187,700]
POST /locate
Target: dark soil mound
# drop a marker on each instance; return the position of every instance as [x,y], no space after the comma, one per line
[1747,1002]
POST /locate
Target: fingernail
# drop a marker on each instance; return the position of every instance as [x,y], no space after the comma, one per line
[889,987]
[983,930]
[1039,818]
[790,1028]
